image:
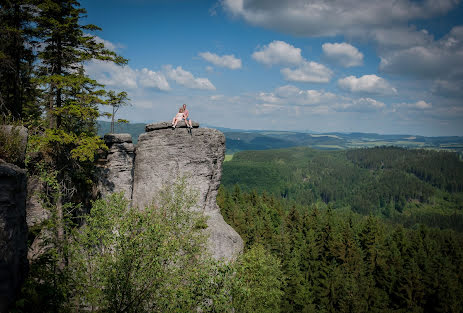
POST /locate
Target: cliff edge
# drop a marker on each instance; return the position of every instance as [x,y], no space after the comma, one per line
[161,156]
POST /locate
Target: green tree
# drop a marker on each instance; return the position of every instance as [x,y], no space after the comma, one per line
[124,259]
[67,141]
[258,282]
[16,57]
[116,101]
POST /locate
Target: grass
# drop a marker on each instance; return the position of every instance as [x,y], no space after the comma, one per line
[228,157]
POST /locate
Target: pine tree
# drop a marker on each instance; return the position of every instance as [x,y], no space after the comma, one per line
[67,141]
[116,101]
[16,57]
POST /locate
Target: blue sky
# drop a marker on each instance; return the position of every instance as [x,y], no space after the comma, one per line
[381,66]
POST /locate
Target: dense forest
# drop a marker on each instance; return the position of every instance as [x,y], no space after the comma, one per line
[400,184]
[365,230]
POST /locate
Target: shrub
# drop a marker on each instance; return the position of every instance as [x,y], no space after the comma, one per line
[11,144]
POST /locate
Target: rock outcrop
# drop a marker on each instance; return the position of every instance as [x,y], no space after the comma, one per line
[162,156]
[13,232]
[117,168]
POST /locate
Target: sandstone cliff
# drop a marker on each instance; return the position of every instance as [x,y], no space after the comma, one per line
[162,155]
[116,172]
[13,232]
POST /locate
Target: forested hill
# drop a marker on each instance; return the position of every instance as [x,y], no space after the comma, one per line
[335,220]
[405,185]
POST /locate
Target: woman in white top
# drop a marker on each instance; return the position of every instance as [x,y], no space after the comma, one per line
[178,117]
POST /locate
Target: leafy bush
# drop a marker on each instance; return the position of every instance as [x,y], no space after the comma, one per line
[10,145]
[128,260]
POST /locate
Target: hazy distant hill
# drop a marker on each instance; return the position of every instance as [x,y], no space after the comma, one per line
[241,140]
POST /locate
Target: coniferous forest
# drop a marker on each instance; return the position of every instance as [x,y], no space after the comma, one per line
[368,230]
[362,230]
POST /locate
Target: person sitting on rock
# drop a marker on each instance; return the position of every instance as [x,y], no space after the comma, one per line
[178,117]
[188,122]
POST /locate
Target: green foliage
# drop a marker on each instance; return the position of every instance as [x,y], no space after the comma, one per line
[11,145]
[258,282]
[340,261]
[128,260]
[17,91]
[116,101]
[390,182]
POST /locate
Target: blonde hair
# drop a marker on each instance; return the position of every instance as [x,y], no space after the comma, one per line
[181,110]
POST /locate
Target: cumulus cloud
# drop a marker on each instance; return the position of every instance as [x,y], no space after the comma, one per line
[185,78]
[430,60]
[108,44]
[152,79]
[291,95]
[124,77]
[320,100]
[360,105]
[329,18]
[452,88]
[228,61]
[278,52]
[370,84]
[343,54]
[420,105]
[308,72]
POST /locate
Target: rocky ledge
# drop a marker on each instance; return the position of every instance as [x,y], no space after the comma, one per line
[167,125]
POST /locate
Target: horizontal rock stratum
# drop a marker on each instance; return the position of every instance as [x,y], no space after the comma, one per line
[161,156]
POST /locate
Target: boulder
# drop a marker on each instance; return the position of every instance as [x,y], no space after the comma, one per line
[13,232]
[116,170]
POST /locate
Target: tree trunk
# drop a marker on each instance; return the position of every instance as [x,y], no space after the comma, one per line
[112,121]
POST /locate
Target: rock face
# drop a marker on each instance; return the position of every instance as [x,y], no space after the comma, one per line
[162,156]
[13,232]
[117,170]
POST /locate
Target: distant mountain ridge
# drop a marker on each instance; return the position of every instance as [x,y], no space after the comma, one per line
[240,140]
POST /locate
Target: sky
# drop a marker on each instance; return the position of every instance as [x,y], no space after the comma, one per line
[374,66]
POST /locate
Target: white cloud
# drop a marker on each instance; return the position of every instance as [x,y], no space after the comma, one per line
[111,74]
[343,54]
[421,105]
[360,105]
[308,72]
[185,78]
[291,95]
[445,87]
[320,101]
[224,61]
[278,52]
[216,97]
[152,79]
[430,60]
[329,18]
[371,84]
[108,44]
[124,77]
